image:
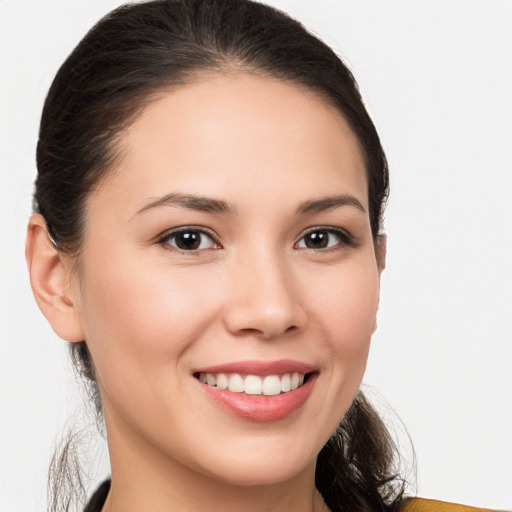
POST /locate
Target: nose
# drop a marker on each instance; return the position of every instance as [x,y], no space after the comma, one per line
[264,301]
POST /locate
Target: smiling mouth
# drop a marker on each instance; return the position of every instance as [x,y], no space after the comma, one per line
[268,385]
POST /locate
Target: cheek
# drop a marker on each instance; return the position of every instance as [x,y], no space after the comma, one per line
[348,307]
[345,306]
[137,317]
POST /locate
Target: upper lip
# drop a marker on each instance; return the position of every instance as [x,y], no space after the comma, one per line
[262,368]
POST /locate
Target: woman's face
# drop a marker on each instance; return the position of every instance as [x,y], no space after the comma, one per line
[232,243]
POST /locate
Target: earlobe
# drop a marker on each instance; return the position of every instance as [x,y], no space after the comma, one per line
[50,278]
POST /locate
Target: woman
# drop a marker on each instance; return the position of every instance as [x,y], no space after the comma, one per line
[208,238]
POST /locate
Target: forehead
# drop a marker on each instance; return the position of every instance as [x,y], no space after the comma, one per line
[224,135]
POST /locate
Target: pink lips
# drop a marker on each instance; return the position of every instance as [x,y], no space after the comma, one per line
[260,408]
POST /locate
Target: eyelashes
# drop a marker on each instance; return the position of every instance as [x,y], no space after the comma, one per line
[193,239]
[189,239]
[320,238]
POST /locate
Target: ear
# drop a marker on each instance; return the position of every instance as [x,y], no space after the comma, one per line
[51,281]
[380,255]
[381,244]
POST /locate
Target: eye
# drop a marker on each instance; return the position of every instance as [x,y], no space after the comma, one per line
[323,238]
[189,240]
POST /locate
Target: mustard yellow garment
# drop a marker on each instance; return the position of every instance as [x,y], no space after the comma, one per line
[424,505]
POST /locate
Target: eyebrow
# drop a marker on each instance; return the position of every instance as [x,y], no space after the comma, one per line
[191,202]
[210,205]
[329,203]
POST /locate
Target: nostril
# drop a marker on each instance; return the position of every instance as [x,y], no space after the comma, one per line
[253,315]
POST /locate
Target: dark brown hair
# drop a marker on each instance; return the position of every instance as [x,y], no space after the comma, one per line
[141,49]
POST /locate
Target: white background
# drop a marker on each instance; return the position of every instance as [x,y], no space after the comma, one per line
[437,78]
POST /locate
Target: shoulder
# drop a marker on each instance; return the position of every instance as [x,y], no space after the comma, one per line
[425,505]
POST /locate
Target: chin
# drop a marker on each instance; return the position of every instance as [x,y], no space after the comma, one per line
[263,473]
[268,465]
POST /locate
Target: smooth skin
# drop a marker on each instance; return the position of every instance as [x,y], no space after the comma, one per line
[239,163]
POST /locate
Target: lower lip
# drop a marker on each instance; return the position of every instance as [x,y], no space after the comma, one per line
[261,408]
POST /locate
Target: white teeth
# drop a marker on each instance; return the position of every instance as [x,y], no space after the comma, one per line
[222,381]
[236,383]
[286,384]
[254,384]
[271,385]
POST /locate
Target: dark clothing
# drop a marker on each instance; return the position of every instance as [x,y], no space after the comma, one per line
[98,498]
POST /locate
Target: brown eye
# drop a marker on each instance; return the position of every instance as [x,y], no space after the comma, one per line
[189,240]
[317,240]
[323,239]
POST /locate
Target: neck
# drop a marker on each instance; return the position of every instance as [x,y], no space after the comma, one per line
[143,495]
